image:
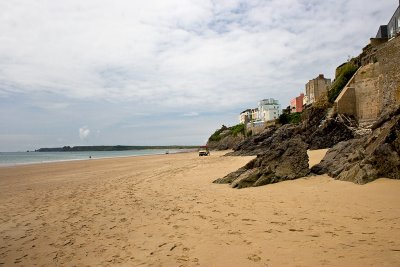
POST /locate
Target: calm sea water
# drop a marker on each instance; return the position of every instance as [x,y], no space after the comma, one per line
[16,158]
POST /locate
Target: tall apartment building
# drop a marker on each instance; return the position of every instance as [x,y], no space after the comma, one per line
[315,88]
[269,109]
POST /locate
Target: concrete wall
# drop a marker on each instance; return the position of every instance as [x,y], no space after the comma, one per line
[367,92]
[258,127]
[374,88]
[346,103]
[389,59]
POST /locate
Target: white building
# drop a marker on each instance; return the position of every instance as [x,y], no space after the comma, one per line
[245,116]
[248,115]
[269,109]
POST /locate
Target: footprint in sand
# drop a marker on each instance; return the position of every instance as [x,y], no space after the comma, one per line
[254,257]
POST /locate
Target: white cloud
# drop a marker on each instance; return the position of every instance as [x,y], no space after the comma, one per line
[190,52]
[191,114]
[84,132]
[171,56]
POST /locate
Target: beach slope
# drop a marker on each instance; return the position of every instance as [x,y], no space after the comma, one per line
[164,210]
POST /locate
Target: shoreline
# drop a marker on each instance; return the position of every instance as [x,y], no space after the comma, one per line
[82,159]
[165,211]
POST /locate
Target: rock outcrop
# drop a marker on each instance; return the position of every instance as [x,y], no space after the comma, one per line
[365,159]
[282,151]
[315,130]
[286,160]
[227,142]
[260,143]
[226,137]
[328,134]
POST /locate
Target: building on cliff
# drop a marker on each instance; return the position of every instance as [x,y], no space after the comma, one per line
[248,115]
[316,88]
[392,29]
[296,104]
[244,116]
[269,109]
[375,88]
[256,119]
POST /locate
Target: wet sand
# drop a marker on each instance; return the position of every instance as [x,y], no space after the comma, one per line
[164,211]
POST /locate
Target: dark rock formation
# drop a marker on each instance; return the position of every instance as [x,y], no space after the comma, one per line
[226,137]
[313,130]
[285,160]
[282,151]
[227,142]
[368,158]
[258,144]
[328,134]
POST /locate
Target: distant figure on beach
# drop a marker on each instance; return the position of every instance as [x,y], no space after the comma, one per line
[90,157]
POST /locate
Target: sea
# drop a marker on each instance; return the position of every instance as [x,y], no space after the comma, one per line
[22,158]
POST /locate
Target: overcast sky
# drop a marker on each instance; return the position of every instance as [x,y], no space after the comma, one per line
[163,72]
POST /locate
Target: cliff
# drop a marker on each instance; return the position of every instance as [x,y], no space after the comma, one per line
[226,137]
[375,88]
[371,93]
[365,159]
[282,151]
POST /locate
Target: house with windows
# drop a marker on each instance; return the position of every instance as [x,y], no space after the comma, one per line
[248,115]
[244,116]
[296,104]
[392,29]
[269,109]
[316,88]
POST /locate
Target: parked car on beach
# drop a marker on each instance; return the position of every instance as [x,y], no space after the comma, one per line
[203,151]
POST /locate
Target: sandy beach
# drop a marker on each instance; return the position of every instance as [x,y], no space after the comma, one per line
[163,210]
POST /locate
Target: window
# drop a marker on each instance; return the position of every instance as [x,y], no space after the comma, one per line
[398,24]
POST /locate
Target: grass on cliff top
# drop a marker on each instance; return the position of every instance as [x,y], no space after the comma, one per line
[226,131]
[343,76]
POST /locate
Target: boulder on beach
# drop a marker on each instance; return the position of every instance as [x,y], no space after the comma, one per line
[285,160]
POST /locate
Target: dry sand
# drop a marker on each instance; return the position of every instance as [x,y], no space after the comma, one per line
[164,211]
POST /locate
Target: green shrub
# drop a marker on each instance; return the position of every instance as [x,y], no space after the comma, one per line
[237,129]
[234,131]
[293,118]
[216,136]
[284,118]
[343,76]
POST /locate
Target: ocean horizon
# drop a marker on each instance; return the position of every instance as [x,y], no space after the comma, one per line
[32,157]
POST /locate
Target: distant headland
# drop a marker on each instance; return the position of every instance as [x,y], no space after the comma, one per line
[108,148]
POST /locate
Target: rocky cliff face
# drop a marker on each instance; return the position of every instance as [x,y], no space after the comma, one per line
[226,137]
[315,130]
[227,142]
[365,159]
[282,151]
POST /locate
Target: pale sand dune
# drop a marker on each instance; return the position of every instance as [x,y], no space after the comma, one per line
[164,211]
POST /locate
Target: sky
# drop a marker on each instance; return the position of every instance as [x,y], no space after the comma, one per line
[127,72]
